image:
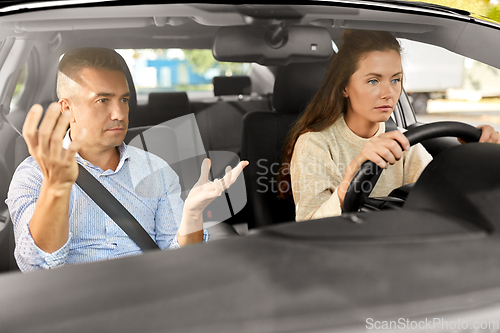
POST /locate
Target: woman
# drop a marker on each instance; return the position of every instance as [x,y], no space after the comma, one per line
[343,127]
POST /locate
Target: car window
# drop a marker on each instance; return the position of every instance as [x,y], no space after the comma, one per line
[446,86]
[157,70]
[20,85]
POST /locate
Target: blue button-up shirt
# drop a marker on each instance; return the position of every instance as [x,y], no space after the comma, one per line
[143,183]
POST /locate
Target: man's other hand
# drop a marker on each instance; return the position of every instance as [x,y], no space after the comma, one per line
[200,196]
[205,191]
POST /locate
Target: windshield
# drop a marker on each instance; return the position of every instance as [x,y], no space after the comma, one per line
[161,70]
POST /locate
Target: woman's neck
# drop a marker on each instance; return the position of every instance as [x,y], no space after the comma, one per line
[361,126]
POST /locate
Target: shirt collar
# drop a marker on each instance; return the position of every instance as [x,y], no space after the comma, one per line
[122,149]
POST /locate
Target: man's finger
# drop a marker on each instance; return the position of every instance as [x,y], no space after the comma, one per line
[76,143]
[62,125]
[239,168]
[58,134]
[31,125]
[233,174]
[205,169]
[218,187]
[50,119]
[47,127]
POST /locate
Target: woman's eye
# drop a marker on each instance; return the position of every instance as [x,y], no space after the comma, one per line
[372,81]
[396,80]
[125,100]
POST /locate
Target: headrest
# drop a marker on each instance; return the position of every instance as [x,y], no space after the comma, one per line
[132,102]
[168,105]
[171,99]
[232,85]
[296,84]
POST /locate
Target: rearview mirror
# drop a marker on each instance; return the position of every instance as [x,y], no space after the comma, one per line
[272,45]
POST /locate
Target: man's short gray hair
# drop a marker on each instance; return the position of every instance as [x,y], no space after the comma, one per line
[90,57]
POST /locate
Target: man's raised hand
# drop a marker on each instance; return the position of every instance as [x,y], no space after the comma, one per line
[58,165]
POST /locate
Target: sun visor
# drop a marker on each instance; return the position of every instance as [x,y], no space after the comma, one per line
[272,45]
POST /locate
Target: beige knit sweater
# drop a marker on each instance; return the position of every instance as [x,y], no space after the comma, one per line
[319,164]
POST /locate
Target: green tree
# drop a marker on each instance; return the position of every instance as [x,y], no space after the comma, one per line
[479,8]
[201,60]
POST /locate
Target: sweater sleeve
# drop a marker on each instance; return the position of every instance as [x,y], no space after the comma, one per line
[414,163]
[315,178]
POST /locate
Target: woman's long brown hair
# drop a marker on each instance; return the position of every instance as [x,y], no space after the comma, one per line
[329,102]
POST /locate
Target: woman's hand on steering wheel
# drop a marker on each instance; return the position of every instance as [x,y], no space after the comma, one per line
[489,135]
[356,194]
[382,150]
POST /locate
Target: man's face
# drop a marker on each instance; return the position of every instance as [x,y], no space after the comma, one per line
[101,107]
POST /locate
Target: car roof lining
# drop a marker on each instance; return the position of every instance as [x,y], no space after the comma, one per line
[114,17]
[204,14]
[174,25]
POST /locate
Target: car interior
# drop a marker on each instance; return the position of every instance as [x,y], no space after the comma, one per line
[429,248]
[237,118]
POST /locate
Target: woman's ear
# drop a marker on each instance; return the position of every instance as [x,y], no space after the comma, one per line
[344,92]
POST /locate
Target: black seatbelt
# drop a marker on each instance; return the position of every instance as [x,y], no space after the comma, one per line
[114,209]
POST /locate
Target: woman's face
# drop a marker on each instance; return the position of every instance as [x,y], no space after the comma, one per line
[374,88]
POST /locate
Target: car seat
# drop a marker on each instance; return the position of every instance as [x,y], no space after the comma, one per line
[220,122]
[164,106]
[232,85]
[264,134]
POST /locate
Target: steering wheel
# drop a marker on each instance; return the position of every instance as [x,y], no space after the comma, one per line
[368,174]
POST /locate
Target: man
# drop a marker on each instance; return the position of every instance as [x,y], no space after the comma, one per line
[55,222]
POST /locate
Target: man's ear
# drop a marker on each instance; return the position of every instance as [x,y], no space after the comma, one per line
[66,106]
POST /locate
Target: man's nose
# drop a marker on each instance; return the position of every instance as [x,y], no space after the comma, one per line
[119,111]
